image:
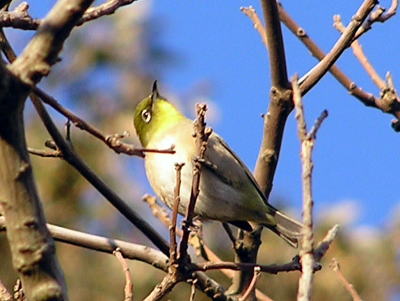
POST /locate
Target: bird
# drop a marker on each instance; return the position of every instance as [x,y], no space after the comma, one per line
[228,191]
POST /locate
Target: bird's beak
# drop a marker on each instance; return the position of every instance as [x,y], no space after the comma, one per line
[154,93]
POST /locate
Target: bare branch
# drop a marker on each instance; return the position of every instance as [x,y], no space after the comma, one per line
[201,136]
[324,244]
[172,227]
[42,51]
[387,103]
[252,285]
[113,141]
[128,290]
[280,101]
[252,14]
[349,287]
[307,140]
[359,54]
[20,18]
[107,245]
[73,159]
[44,153]
[107,8]
[317,72]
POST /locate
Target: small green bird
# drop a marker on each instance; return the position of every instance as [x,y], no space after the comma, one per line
[228,190]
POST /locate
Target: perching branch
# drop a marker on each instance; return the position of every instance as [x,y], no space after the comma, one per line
[201,137]
[176,271]
[172,227]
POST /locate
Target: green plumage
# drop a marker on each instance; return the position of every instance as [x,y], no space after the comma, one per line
[228,191]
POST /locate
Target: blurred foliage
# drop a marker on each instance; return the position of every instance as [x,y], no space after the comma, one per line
[107,66]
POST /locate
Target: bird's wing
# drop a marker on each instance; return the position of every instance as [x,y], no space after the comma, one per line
[224,163]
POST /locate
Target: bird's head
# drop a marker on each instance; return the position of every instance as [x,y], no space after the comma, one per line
[154,114]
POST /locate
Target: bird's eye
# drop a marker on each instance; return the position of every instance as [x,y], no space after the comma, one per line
[146,116]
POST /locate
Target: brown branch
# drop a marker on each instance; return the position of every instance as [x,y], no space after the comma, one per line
[307,140]
[112,141]
[252,285]
[325,243]
[44,153]
[379,15]
[128,290]
[252,14]
[387,103]
[210,256]
[31,245]
[280,101]
[349,287]
[201,134]
[42,51]
[20,18]
[73,159]
[172,227]
[359,54]
[107,8]
[106,245]
[316,73]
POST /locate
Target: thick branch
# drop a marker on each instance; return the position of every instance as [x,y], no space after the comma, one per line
[42,51]
[31,245]
[280,101]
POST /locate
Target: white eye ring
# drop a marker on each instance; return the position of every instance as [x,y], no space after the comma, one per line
[146,115]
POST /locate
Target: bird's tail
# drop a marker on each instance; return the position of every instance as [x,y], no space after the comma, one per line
[287,228]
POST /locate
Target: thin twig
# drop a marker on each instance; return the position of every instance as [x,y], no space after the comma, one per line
[252,14]
[349,287]
[252,285]
[316,73]
[293,265]
[359,54]
[387,103]
[172,227]
[325,243]
[73,159]
[201,137]
[210,255]
[307,144]
[113,141]
[380,14]
[192,290]
[128,290]
[20,18]
[44,153]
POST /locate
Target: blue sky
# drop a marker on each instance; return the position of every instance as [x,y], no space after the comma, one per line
[357,152]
